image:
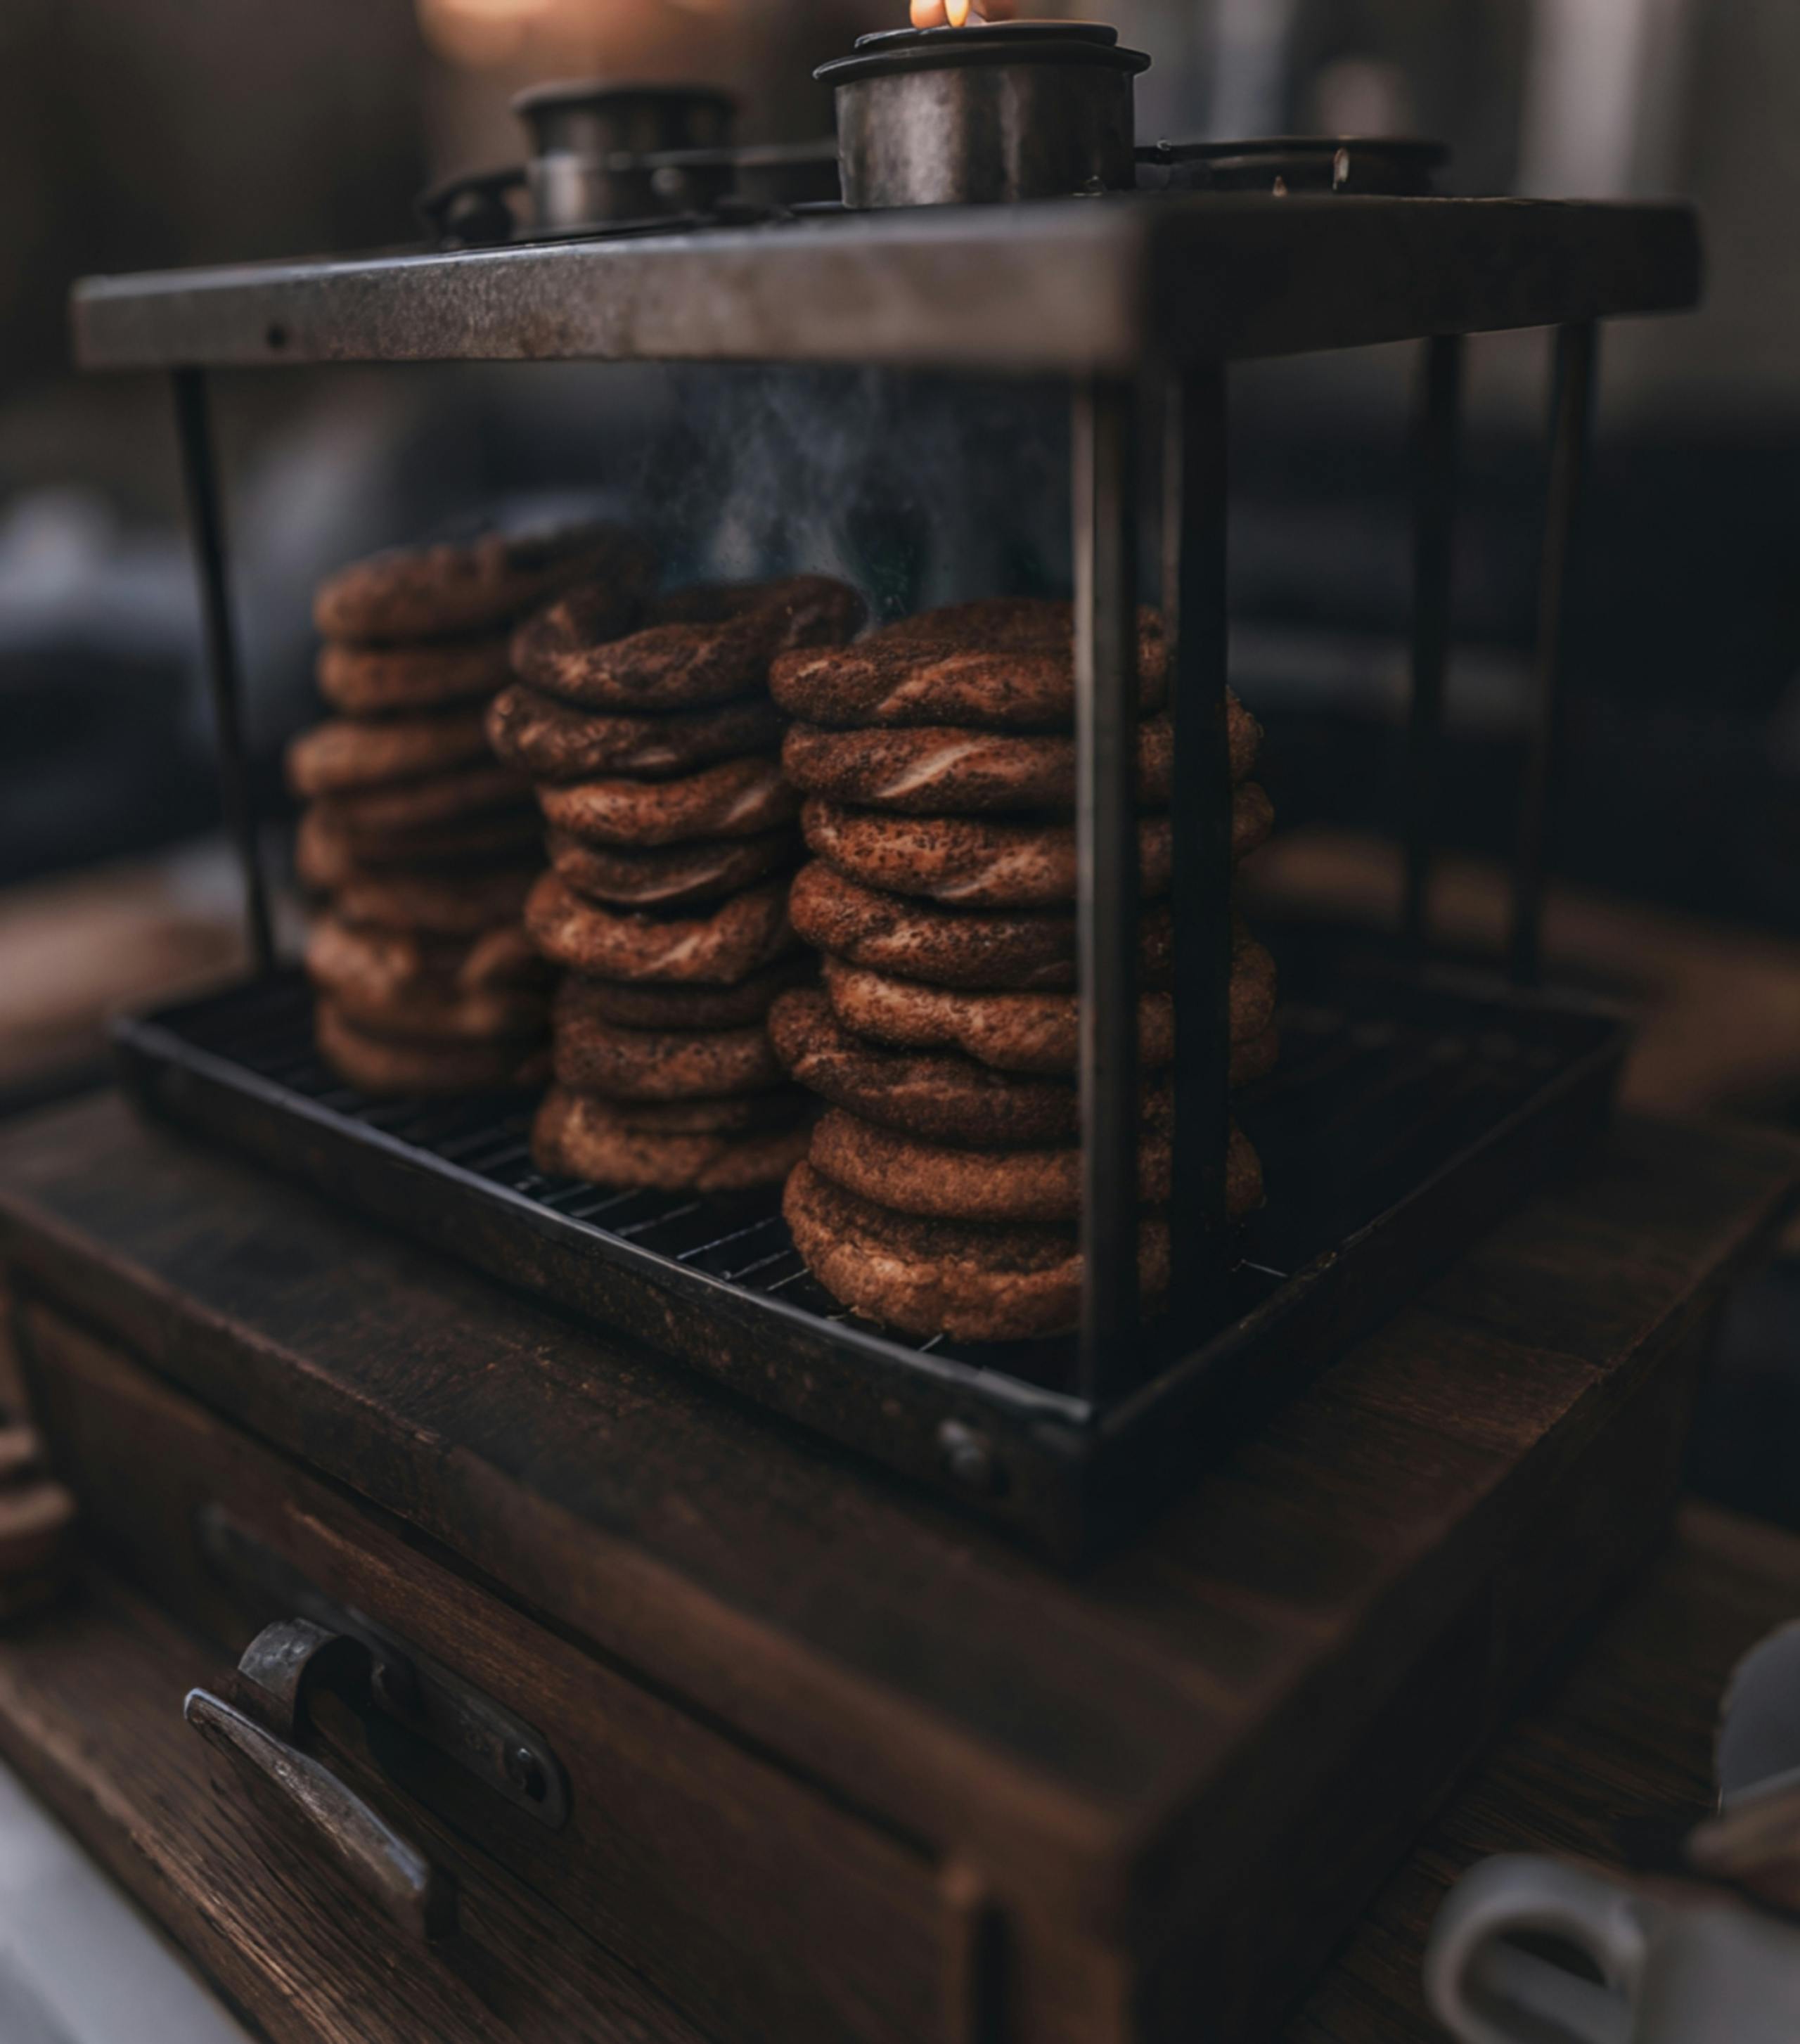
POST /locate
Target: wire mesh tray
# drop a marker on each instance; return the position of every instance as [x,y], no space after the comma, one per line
[1407,1113]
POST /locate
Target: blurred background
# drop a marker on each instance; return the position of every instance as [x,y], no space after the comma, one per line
[147,133]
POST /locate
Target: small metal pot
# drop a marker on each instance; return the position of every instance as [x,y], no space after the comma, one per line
[769,177]
[985,115]
[589,141]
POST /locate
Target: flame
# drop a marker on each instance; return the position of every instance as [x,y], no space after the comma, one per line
[958,13]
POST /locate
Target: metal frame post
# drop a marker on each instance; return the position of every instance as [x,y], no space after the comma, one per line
[1571,406]
[1434,508]
[1195,502]
[1105,494]
[200,475]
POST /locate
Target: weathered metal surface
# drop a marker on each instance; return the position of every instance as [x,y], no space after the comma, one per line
[1086,285]
[1571,422]
[1105,493]
[1014,110]
[1406,1115]
[1434,526]
[1195,503]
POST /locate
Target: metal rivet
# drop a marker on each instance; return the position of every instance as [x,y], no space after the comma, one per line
[525,1771]
[968,1456]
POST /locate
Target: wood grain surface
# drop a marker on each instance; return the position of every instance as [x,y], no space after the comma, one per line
[1328,1624]
[90,1715]
[1621,1733]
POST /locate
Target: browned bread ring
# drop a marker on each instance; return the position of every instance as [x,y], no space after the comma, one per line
[954,770]
[702,646]
[576,1136]
[454,587]
[379,815]
[944,1183]
[551,741]
[438,904]
[431,990]
[991,862]
[408,1068]
[345,753]
[1029,950]
[593,1056]
[384,681]
[648,1005]
[939,1095]
[1007,663]
[669,876]
[329,855]
[738,937]
[948,1278]
[736,798]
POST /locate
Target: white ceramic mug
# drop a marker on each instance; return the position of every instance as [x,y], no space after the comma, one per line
[1681,1964]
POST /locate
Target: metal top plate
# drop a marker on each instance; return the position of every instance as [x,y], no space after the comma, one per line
[1078,285]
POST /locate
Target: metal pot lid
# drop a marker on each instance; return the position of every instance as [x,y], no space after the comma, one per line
[747,155]
[1402,161]
[891,50]
[602,92]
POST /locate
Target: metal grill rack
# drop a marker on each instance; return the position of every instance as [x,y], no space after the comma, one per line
[1141,303]
[1396,1094]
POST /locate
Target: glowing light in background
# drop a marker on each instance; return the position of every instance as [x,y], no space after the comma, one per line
[958,13]
[482,34]
[477,33]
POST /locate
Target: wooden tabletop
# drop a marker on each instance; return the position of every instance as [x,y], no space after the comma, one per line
[1623,1732]
[1288,1639]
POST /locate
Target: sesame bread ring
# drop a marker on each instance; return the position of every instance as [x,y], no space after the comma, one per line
[1025,949]
[649,1006]
[743,1114]
[989,863]
[738,938]
[930,1277]
[953,770]
[944,1096]
[702,646]
[408,1068]
[387,680]
[551,741]
[938,1095]
[1008,666]
[438,904]
[941,1183]
[1022,623]
[576,1135]
[327,855]
[458,586]
[1035,1032]
[375,970]
[345,753]
[376,814]
[737,798]
[1013,1032]
[597,1056]
[670,876]
[434,1013]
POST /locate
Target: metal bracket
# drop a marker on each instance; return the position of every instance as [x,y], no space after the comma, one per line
[406,1689]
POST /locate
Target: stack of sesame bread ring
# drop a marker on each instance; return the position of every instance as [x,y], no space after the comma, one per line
[416,847]
[672,841]
[940,1193]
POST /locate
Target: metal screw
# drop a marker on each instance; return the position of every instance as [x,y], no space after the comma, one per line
[525,1771]
[968,1456]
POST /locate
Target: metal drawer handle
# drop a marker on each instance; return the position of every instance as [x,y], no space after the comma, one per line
[263,1732]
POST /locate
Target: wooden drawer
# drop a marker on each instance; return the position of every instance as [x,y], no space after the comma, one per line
[761,1907]
[89,1715]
